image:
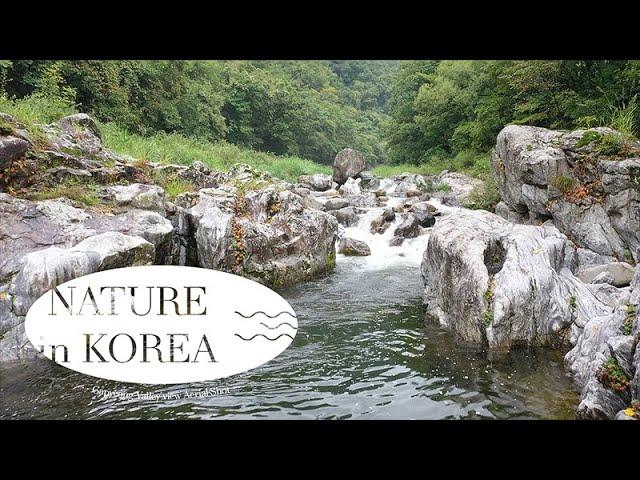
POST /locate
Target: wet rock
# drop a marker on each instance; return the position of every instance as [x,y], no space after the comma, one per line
[409,228]
[318,182]
[620,273]
[346,216]
[379,225]
[352,247]
[347,164]
[389,215]
[396,241]
[336,203]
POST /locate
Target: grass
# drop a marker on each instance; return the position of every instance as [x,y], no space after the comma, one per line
[443,187]
[565,184]
[83,193]
[469,162]
[176,186]
[176,148]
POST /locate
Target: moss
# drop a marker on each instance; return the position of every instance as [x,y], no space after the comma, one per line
[331,260]
[612,377]
[573,302]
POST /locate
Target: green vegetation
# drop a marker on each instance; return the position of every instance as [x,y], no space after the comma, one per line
[565,184]
[487,317]
[410,116]
[484,197]
[81,192]
[443,187]
[176,148]
[627,326]
[573,302]
[310,109]
[611,376]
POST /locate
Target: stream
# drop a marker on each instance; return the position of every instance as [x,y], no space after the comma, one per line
[362,351]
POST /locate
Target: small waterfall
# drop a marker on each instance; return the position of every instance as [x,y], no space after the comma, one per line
[383,255]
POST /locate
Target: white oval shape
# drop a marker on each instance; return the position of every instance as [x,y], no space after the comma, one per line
[217,325]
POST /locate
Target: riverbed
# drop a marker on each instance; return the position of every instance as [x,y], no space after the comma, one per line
[362,351]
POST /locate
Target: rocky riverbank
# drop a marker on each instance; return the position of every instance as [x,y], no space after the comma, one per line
[559,268]
[554,266]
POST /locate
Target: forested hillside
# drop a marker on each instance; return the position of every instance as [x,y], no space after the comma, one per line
[303,108]
[419,115]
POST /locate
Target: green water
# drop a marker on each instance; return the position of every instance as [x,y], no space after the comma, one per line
[362,351]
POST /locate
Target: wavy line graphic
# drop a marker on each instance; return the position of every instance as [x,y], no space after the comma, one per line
[265,314]
[262,335]
[278,326]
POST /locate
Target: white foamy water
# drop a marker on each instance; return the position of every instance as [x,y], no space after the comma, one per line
[383,255]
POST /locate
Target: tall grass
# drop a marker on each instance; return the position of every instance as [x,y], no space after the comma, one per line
[37,109]
[176,148]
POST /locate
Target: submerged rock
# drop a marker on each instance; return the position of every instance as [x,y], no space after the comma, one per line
[352,247]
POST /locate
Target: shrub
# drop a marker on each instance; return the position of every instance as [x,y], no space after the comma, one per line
[443,187]
[484,196]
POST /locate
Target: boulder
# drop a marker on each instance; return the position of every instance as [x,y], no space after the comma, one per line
[396,241]
[11,148]
[267,235]
[459,187]
[352,247]
[347,164]
[318,182]
[495,283]
[346,216]
[351,187]
[620,274]
[336,203]
[543,174]
[137,195]
[379,225]
[45,269]
[409,228]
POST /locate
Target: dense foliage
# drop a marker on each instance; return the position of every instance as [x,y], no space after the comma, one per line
[432,114]
[304,108]
[440,109]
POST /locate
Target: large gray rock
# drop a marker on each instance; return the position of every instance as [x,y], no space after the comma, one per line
[138,195]
[599,207]
[11,148]
[460,186]
[45,269]
[347,164]
[346,216]
[496,283]
[352,247]
[620,273]
[318,182]
[267,235]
